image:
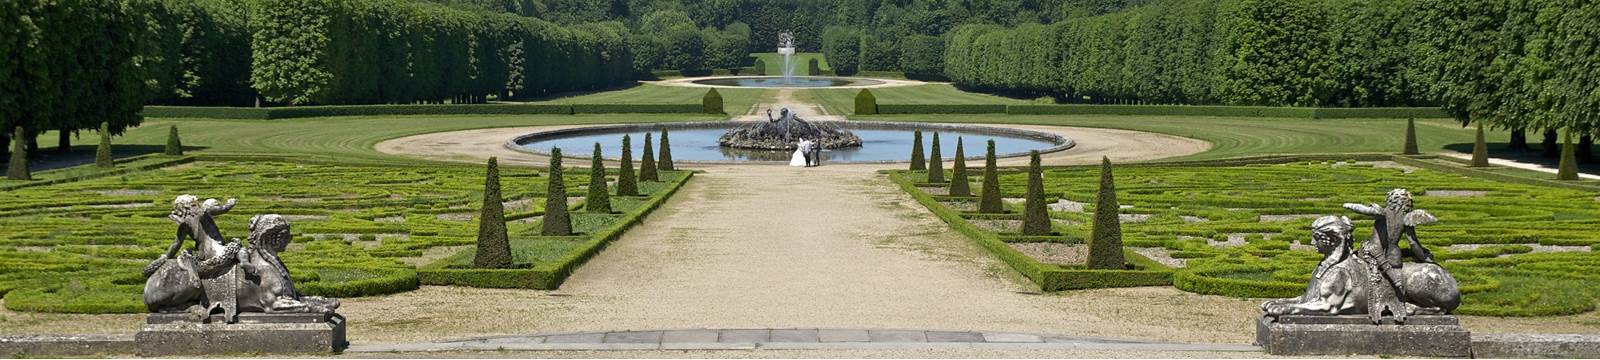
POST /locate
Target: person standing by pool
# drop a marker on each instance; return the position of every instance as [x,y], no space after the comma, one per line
[802,154]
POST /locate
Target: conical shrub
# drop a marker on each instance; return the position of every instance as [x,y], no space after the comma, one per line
[866,103]
[102,154]
[959,185]
[813,68]
[1480,150]
[626,184]
[761,67]
[17,167]
[1411,138]
[556,220]
[1105,241]
[1568,169]
[174,145]
[647,165]
[935,162]
[917,160]
[711,103]
[664,162]
[989,201]
[599,199]
[1035,217]
[494,249]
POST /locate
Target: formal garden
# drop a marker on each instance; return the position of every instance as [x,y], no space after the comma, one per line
[1036,170]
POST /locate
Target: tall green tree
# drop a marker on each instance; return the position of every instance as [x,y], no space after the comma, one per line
[556,220]
[989,201]
[599,199]
[494,248]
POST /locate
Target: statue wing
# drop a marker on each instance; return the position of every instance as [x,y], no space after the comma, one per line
[1419,217]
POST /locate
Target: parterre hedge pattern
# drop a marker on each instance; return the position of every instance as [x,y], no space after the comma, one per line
[1243,230]
[360,230]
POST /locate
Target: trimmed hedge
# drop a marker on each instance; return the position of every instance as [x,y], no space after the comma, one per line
[547,275]
[1164,110]
[1145,272]
[441,109]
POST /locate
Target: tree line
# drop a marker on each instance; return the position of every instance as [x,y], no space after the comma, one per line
[1510,64]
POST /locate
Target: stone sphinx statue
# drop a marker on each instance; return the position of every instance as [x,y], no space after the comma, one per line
[1373,280]
[223,277]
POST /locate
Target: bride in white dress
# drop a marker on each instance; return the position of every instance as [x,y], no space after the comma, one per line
[799,157]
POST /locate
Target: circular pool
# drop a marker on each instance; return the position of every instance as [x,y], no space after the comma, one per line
[793,82]
[881,142]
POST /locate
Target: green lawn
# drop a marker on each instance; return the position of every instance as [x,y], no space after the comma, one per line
[344,138]
[775,62]
[734,101]
[1235,137]
[842,101]
[1192,212]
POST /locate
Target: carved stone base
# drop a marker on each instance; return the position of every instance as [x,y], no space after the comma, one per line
[1424,336]
[180,334]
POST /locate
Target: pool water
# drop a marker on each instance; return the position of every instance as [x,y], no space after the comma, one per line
[793,82]
[876,145]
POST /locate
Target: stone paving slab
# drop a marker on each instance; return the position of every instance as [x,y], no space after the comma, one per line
[795,339]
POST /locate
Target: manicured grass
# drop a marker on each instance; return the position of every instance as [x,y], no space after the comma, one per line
[842,101]
[344,138]
[734,101]
[1236,137]
[801,59]
[1192,212]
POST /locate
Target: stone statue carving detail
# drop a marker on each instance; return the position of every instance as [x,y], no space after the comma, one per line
[221,277]
[1373,280]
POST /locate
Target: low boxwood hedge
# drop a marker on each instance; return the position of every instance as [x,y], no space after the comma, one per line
[549,275]
[941,108]
[293,112]
[1163,110]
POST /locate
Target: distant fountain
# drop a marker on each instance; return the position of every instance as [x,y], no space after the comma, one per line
[786,49]
[785,131]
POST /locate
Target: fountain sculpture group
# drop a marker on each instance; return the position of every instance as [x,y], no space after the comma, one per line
[1343,308]
[228,297]
[784,133]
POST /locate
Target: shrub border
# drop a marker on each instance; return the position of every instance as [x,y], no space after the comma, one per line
[295,112]
[1167,110]
[1048,277]
[550,275]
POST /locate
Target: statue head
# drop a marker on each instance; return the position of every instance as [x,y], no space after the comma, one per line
[1399,199]
[270,231]
[186,207]
[1331,233]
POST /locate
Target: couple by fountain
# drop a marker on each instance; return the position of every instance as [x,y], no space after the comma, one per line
[806,154]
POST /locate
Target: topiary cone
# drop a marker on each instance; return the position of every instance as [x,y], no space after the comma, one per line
[1411,138]
[1480,150]
[958,173]
[1105,242]
[494,249]
[599,199]
[866,103]
[935,162]
[664,162]
[556,220]
[1568,169]
[174,145]
[711,103]
[647,165]
[917,160]
[102,154]
[1035,217]
[989,201]
[761,67]
[626,184]
[17,168]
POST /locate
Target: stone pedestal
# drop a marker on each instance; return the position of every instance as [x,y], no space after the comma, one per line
[1424,336]
[181,334]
